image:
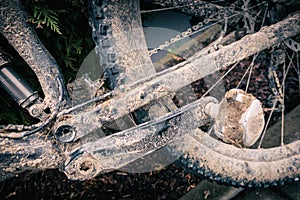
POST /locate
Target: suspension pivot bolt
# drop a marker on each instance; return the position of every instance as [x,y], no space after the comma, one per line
[65,133]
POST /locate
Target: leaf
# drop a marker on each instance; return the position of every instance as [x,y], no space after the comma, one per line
[44,15]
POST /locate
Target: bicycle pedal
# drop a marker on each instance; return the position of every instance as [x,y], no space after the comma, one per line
[239,119]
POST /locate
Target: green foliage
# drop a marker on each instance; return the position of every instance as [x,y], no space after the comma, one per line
[13,116]
[62,26]
[9,117]
[43,15]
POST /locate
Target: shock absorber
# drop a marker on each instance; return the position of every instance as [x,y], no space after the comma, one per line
[15,86]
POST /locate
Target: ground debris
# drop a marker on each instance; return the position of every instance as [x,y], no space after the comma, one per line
[169,183]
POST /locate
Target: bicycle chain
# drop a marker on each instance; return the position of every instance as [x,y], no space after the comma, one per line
[277,58]
[214,17]
[210,13]
[189,32]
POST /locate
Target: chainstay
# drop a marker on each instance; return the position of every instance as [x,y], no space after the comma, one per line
[117,150]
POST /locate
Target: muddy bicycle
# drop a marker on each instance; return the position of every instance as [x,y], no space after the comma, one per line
[222,109]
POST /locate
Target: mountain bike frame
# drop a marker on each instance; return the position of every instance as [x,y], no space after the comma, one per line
[30,147]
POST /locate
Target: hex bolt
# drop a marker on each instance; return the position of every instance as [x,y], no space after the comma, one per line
[35,112]
[35,109]
[65,133]
[86,166]
[82,167]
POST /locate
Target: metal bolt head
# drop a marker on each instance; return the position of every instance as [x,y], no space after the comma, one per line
[65,133]
[82,167]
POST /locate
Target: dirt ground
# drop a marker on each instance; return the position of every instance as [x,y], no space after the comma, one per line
[169,183]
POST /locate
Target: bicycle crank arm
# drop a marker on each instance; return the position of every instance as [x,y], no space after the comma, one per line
[114,151]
